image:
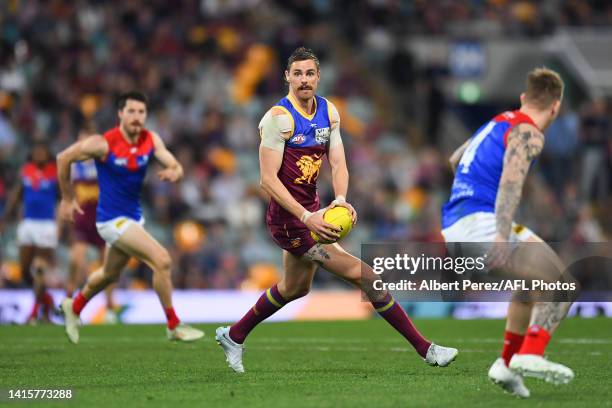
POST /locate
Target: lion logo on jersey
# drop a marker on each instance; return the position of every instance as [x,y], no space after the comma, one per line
[309,166]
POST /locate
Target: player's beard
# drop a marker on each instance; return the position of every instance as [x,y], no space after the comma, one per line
[305,93]
[133,130]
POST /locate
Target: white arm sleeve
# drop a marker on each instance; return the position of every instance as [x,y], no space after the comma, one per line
[334,139]
[274,130]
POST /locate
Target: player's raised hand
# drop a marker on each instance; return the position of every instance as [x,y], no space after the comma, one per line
[341,203]
[67,209]
[169,174]
[327,233]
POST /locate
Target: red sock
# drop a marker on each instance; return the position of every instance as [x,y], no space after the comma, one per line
[47,302]
[34,312]
[512,344]
[536,340]
[79,303]
[173,319]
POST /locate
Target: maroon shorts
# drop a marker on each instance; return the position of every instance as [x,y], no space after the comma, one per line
[87,233]
[84,229]
[294,239]
[88,236]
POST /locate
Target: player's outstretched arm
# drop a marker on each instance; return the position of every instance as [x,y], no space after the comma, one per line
[457,154]
[525,142]
[93,147]
[173,171]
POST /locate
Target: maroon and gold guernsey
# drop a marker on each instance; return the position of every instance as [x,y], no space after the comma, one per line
[86,192]
[303,156]
[302,159]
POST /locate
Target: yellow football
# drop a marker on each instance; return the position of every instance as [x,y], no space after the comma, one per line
[340,217]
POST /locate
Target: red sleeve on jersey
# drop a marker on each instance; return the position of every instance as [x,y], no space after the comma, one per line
[108,136]
[50,171]
[513,118]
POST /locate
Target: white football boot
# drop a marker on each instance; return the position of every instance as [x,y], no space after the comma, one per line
[533,365]
[71,321]
[185,333]
[233,351]
[508,380]
[440,356]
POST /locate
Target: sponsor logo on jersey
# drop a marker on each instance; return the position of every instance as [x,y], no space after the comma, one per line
[41,184]
[296,242]
[297,139]
[142,160]
[322,135]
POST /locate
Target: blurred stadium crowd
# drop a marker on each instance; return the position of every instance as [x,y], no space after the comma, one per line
[212,68]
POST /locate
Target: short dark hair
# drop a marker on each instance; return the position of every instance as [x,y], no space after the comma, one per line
[302,54]
[133,95]
[544,86]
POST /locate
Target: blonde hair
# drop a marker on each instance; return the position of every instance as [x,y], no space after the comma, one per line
[544,86]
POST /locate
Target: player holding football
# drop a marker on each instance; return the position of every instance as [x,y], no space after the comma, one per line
[84,233]
[295,135]
[122,155]
[490,169]
[37,233]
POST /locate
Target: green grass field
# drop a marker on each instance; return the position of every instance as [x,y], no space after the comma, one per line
[315,364]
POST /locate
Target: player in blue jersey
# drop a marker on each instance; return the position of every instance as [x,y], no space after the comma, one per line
[490,169]
[296,134]
[37,232]
[121,156]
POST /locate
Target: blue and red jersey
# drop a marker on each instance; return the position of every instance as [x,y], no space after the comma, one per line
[121,174]
[479,171]
[39,191]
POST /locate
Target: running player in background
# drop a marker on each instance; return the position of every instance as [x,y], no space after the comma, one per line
[38,231]
[84,233]
[122,155]
[490,169]
[295,136]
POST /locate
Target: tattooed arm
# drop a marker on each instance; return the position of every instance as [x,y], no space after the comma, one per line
[525,143]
